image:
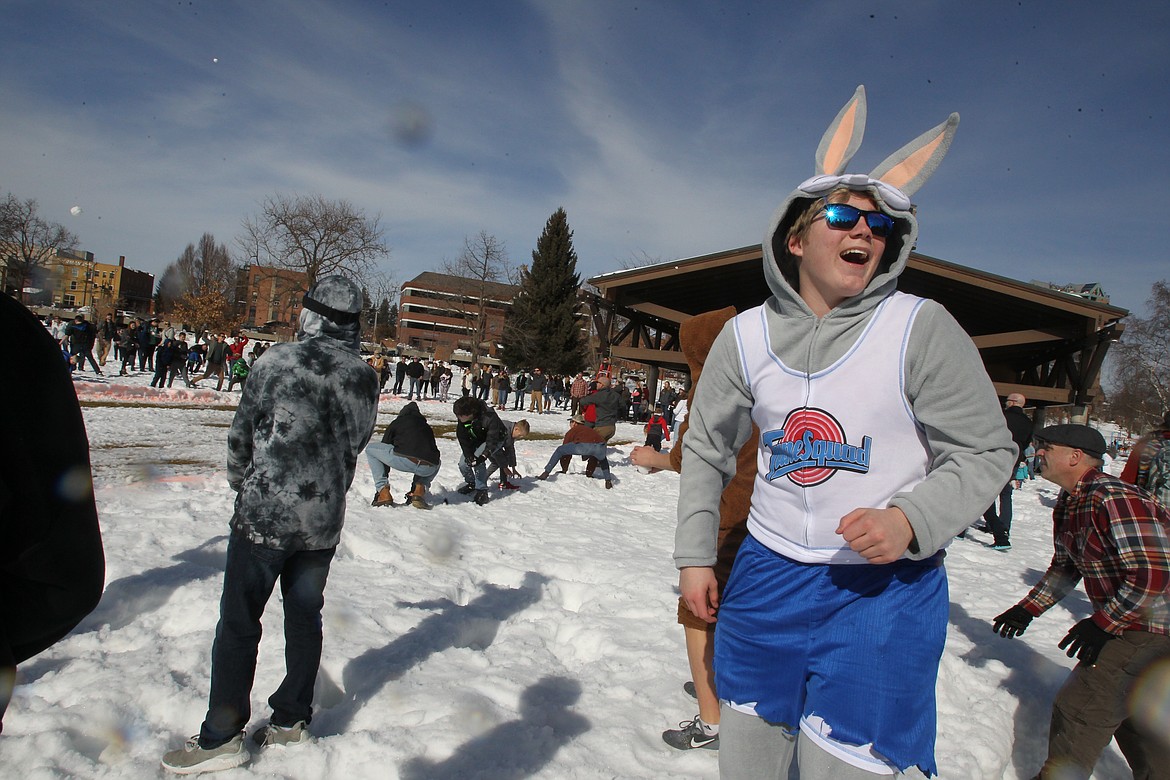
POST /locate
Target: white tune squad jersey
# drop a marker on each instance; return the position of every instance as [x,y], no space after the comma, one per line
[830,442]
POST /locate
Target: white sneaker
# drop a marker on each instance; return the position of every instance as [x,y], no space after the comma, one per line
[282,736]
[192,759]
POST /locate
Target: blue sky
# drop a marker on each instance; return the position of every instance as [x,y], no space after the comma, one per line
[665,129]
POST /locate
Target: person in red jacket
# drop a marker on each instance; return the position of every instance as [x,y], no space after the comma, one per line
[656,431]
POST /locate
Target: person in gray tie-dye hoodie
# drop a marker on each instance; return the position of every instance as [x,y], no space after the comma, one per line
[306,413]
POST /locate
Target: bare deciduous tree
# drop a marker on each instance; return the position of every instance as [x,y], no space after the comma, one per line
[200,286]
[201,269]
[639,259]
[315,236]
[482,264]
[1140,392]
[28,241]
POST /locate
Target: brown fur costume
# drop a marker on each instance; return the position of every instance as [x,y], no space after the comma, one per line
[696,336]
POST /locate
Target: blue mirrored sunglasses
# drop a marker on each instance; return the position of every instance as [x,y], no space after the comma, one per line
[842,216]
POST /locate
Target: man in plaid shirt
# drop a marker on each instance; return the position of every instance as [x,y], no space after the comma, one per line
[1116,538]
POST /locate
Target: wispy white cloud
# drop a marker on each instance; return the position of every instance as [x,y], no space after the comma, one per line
[664,128]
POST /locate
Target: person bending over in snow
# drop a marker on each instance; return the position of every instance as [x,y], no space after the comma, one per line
[581,440]
[407,445]
[483,436]
[1114,538]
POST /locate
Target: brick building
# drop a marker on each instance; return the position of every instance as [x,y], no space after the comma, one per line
[270,296]
[442,312]
[73,280]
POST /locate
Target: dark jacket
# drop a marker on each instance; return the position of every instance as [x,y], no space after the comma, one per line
[307,411]
[1020,426]
[81,335]
[51,562]
[410,434]
[163,355]
[485,429]
[414,370]
[217,352]
[609,403]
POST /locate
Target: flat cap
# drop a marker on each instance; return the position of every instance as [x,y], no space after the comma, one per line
[1080,437]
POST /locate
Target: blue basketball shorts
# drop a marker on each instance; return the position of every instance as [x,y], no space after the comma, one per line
[857,645]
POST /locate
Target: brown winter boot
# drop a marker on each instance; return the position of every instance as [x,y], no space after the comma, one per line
[565,463]
[417,497]
[383,497]
[590,467]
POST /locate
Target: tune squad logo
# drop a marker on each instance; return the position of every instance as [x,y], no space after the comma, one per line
[811,448]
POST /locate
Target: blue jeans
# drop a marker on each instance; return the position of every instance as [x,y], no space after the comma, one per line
[586,450]
[382,458]
[248,580]
[416,389]
[474,475]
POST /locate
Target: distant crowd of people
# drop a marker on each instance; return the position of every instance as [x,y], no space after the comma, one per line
[530,390]
[153,346]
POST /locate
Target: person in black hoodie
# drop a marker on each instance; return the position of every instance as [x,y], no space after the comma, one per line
[407,445]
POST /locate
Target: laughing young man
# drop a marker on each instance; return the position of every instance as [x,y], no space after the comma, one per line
[880,437]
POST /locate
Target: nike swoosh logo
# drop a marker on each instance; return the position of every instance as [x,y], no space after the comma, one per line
[696,742]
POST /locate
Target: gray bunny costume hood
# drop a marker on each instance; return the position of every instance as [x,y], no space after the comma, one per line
[890,185]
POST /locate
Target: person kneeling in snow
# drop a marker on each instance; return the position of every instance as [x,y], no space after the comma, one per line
[581,440]
[407,445]
[305,414]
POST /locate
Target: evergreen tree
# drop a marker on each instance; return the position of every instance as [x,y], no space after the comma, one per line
[543,329]
[392,321]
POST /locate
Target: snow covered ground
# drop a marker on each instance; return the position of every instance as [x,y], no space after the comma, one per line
[531,637]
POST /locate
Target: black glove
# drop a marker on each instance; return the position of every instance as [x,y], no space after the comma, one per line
[1013,622]
[1085,640]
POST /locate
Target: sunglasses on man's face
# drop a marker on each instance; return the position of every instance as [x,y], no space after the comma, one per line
[842,216]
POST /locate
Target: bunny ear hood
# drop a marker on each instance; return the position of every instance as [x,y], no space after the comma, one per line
[890,185]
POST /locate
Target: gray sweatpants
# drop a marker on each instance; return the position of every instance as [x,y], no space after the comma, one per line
[751,748]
